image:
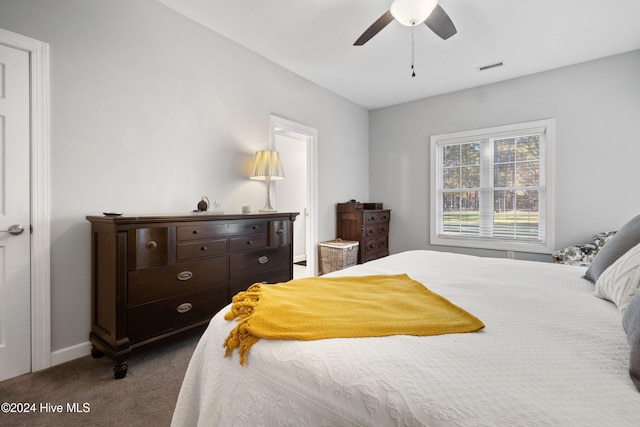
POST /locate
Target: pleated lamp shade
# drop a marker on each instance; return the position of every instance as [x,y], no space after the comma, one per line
[266,165]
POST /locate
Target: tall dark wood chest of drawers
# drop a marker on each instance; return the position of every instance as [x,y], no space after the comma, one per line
[155,277]
[366,223]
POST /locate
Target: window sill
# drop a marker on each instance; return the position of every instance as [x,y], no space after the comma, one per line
[493,244]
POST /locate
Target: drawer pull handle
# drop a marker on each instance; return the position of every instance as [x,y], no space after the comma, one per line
[249,242]
[255,227]
[184,307]
[184,275]
[204,248]
[263,260]
[195,231]
[152,245]
[281,232]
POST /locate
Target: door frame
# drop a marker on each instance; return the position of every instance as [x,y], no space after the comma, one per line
[312,179]
[40,195]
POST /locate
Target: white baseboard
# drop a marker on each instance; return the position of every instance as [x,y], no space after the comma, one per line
[299,258]
[70,353]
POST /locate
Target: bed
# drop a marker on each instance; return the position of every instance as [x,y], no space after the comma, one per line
[550,354]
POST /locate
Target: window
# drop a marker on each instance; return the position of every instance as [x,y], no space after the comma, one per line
[491,188]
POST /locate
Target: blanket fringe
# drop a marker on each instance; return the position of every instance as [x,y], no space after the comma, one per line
[242,306]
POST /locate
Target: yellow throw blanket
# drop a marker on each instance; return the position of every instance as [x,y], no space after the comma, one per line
[341,307]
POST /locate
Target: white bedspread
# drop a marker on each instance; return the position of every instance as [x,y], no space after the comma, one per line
[551,354]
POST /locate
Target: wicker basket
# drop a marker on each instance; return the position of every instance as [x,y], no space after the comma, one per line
[337,254]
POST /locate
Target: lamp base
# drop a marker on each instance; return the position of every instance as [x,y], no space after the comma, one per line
[267,203]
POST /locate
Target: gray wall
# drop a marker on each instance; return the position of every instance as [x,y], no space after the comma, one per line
[149,111]
[597,110]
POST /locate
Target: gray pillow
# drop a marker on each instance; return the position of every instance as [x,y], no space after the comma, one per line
[626,238]
[631,325]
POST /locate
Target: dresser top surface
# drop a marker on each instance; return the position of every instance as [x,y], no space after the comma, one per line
[188,217]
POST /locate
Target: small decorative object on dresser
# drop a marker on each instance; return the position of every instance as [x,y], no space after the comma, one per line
[203,205]
[366,223]
[154,277]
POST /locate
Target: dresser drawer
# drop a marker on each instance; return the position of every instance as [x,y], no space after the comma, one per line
[376,248]
[371,245]
[200,249]
[280,233]
[259,261]
[274,276]
[162,282]
[160,317]
[247,227]
[244,243]
[383,229]
[369,256]
[376,216]
[151,246]
[202,231]
[383,244]
[380,229]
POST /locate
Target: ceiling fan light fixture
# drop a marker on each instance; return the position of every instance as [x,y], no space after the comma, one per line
[412,12]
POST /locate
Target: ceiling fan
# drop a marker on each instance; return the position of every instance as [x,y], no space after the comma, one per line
[411,13]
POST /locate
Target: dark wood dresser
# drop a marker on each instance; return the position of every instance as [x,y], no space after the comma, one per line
[366,223]
[155,277]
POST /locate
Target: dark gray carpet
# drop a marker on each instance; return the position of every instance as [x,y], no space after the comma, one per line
[145,397]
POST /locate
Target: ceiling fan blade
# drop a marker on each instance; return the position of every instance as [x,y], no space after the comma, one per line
[375,28]
[440,23]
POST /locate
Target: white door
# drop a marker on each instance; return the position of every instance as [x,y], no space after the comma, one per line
[15,257]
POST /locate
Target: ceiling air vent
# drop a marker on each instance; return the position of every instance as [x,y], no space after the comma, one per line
[490,66]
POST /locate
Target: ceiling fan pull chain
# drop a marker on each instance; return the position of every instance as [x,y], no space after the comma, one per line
[413,54]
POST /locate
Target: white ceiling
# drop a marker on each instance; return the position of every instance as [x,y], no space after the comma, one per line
[314,38]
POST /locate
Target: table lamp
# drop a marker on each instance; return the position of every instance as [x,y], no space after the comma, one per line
[267,167]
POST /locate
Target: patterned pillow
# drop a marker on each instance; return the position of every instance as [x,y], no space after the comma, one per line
[601,238]
[631,325]
[575,255]
[621,280]
[582,255]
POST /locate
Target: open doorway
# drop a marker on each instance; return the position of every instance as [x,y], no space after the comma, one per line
[296,144]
